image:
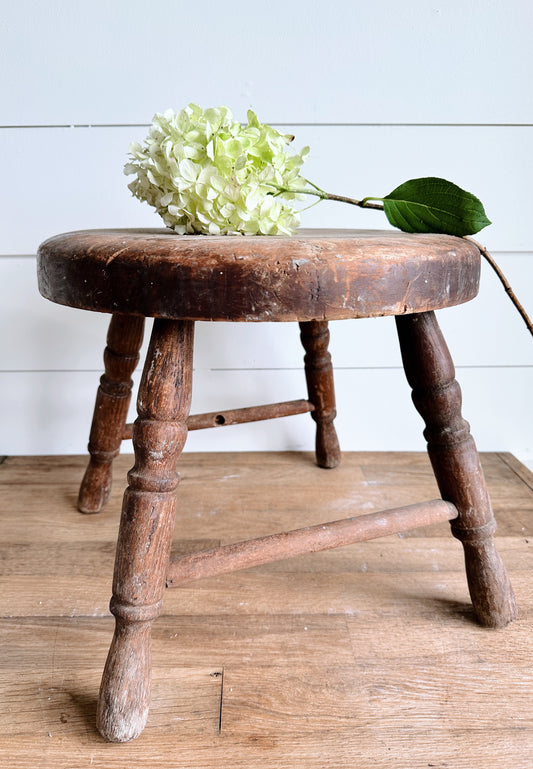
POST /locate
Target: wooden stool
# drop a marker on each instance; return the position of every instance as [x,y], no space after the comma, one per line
[311,278]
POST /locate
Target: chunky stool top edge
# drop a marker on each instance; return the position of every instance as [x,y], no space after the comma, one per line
[314,275]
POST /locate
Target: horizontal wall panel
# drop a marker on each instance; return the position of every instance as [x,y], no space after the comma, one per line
[101,62]
[485,332]
[50,413]
[65,179]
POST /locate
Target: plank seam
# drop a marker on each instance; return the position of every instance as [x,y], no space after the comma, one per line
[269,368]
[221,699]
[525,476]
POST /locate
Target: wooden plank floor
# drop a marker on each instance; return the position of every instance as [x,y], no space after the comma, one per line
[366,656]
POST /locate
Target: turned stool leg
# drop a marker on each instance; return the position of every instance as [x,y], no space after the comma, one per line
[146,528]
[319,376]
[121,355]
[437,396]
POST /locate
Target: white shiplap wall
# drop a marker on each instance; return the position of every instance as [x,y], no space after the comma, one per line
[381,92]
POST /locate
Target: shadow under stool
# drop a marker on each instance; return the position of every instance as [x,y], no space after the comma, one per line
[313,277]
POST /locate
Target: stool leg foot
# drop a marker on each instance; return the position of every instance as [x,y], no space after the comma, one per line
[146,527]
[121,355]
[125,691]
[95,487]
[437,396]
[314,335]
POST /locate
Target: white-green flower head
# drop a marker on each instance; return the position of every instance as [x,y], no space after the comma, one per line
[205,173]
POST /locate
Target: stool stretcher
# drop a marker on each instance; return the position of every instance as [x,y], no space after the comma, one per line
[311,539]
[240,416]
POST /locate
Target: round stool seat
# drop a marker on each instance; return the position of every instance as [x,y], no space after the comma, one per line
[317,274]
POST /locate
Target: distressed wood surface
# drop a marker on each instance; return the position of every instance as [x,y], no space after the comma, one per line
[159,435]
[309,539]
[317,274]
[146,528]
[369,652]
[247,414]
[121,355]
[314,336]
[437,396]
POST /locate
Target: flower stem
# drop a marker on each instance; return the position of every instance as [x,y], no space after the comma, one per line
[379,206]
[329,196]
[505,283]
[361,203]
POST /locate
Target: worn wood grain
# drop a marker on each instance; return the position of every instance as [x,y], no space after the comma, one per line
[315,275]
[368,655]
[246,593]
[314,336]
[189,697]
[523,472]
[310,539]
[437,396]
[256,496]
[121,355]
[371,746]
[341,699]
[146,529]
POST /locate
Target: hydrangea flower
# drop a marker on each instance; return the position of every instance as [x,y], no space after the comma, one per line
[206,173]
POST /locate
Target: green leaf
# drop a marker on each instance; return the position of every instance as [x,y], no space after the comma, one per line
[434,205]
